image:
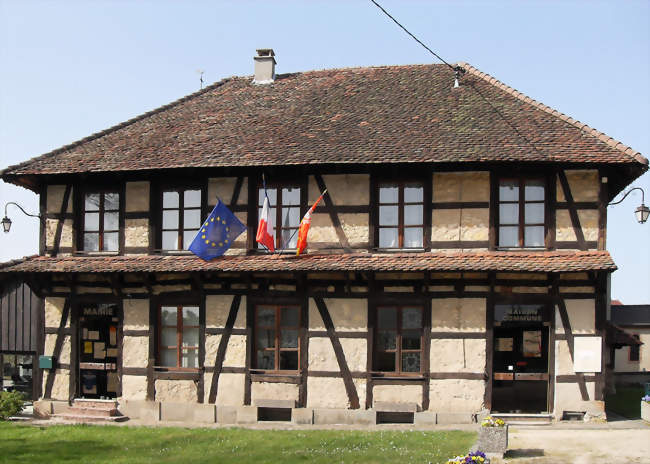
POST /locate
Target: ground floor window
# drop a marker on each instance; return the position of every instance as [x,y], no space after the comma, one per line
[17,372]
[398,339]
[178,344]
[277,345]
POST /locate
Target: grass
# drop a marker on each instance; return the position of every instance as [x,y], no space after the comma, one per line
[626,402]
[134,445]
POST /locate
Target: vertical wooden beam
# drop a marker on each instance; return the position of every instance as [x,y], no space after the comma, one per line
[40,349]
[494,204]
[120,345]
[121,219]
[603,196]
[250,321]
[426,340]
[427,195]
[553,286]
[601,331]
[154,211]
[551,211]
[200,388]
[59,225]
[236,191]
[223,346]
[573,211]
[153,328]
[74,349]
[42,201]
[370,346]
[251,215]
[489,341]
[350,388]
[373,214]
[334,217]
[303,339]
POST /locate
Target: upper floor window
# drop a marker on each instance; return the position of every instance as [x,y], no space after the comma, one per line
[178,336]
[181,217]
[101,221]
[521,212]
[284,203]
[398,339]
[401,215]
[277,344]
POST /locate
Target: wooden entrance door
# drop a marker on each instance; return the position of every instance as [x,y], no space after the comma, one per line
[520,369]
[99,326]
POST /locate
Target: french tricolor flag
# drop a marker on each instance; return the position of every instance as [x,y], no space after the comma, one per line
[265,227]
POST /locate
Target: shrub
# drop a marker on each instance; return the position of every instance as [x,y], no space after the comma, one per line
[11,403]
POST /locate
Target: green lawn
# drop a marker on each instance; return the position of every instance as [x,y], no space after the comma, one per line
[626,402]
[114,444]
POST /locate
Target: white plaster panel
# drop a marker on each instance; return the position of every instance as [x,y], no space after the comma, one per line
[54,200]
[136,232]
[236,351]
[273,391]
[445,225]
[582,316]
[446,186]
[563,361]
[568,397]
[135,351]
[211,348]
[475,224]
[475,186]
[472,314]
[66,232]
[584,185]
[455,395]
[217,308]
[50,341]
[176,391]
[53,311]
[457,355]
[136,314]
[137,196]
[230,390]
[398,394]
[60,386]
[134,387]
[344,189]
[327,392]
[348,314]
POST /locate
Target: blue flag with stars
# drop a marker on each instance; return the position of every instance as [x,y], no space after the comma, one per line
[217,233]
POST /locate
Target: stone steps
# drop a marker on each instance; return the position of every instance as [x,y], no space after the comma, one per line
[89,410]
[525,419]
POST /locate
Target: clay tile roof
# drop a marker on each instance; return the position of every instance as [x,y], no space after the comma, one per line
[507,261]
[389,114]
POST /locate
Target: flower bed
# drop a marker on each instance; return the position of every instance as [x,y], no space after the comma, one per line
[475,457]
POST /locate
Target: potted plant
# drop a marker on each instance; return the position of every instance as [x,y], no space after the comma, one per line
[474,457]
[645,408]
[493,436]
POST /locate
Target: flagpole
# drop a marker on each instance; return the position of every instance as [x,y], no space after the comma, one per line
[294,232]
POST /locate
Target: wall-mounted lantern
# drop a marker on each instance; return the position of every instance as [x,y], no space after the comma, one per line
[6,222]
[642,212]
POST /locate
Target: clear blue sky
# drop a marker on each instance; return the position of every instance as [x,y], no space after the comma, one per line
[71,68]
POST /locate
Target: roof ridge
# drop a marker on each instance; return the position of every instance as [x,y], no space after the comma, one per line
[601,136]
[120,125]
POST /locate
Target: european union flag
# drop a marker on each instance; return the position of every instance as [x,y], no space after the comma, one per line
[217,233]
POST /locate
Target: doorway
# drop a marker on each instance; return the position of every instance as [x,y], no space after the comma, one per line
[99,328]
[521,356]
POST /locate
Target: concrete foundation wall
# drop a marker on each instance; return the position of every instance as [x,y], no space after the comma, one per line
[273,391]
[398,394]
[458,315]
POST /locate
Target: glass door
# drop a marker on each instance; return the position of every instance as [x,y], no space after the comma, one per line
[98,351]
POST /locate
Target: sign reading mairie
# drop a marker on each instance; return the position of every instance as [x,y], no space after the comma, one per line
[100,310]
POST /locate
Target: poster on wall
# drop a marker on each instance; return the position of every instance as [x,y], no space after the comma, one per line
[587,354]
[532,344]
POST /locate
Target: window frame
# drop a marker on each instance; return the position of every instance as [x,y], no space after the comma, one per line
[180,187]
[277,328]
[521,203]
[278,186]
[179,336]
[401,204]
[399,372]
[636,348]
[80,217]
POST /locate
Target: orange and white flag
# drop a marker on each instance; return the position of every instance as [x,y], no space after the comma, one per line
[304,227]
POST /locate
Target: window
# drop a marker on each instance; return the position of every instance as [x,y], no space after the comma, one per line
[398,339]
[178,344]
[401,215]
[277,344]
[634,351]
[101,221]
[181,217]
[284,210]
[521,213]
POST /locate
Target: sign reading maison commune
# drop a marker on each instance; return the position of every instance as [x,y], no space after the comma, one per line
[519,313]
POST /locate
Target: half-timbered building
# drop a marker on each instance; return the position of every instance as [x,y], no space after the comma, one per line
[457,264]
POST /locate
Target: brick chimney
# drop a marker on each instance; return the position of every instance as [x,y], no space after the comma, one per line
[264,66]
